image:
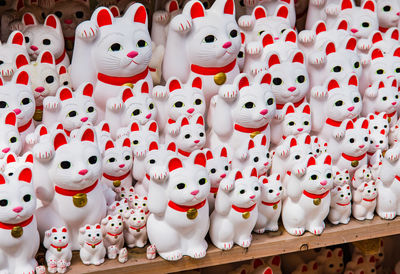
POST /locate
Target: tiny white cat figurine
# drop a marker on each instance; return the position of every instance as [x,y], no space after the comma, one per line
[92,246]
[379,131]
[135,231]
[48,36]
[236,210]
[296,121]
[308,198]
[59,252]
[119,207]
[14,46]
[270,207]
[10,139]
[364,201]
[340,209]
[112,228]
[340,177]
[139,202]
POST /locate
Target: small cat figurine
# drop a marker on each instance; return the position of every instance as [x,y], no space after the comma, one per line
[112,228]
[92,249]
[364,201]
[269,209]
[48,36]
[139,202]
[331,261]
[59,252]
[14,46]
[340,177]
[65,78]
[236,210]
[379,133]
[10,139]
[125,193]
[340,209]
[135,231]
[119,207]
[307,268]
[296,121]
[361,264]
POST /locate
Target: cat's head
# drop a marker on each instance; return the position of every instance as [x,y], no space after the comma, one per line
[188,182]
[331,261]
[318,178]
[247,189]
[58,236]
[388,13]
[65,78]
[12,162]
[378,123]
[192,134]
[8,51]
[125,193]
[340,177]
[290,81]
[296,120]
[383,66]
[10,140]
[339,34]
[123,47]
[387,99]
[259,156]
[214,39]
[368,190]
[117,157]
[356,140]
[38,37]
[362,20]
[341,194]
[218,165]
[113,224]
[118,207]
[142,135]
[386,42]
[140,202]
[17,198]
[135,218]
[158,156]
[272,189]
[91,234]
[286,46]
[299,151]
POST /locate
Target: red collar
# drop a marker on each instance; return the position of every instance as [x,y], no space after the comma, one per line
[270,204]
[56,247]
[297,104]
[369,200]
[70,192]
[116,178]
[114,234]
[152,69]
[39,107]
[382,29]
[183,208]
[250,130]
[61,58]
[21,224]
[388,114]
[134,228]
[370,153]
[25,127]
[119,81]
[315,196]
[212,70]
[214,190]
[184,153]
[353,158]
[334,123]
[242,209]
[343,204]
[93,245]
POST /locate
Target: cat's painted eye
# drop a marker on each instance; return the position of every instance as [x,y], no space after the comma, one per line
[356,64]
[181,186]
[187,136]
[90,235]
[297,157]
[115,47]
[179,104]
[384,98]
[306,123]
[249,105]
[271,190]
[387,8]
[65,83]
[369,191]
[329,175]
[151,106]
[3,202]
[90,109]
[55,237]
[136,112]
[396,96]
[375,127]
[127,157]
[351,140]
[98,235]
[397,70]
[270,101]
[10,174]
[152,161]
[226,167]
[13,139]
[385,126]
[111,160]
[135,142]
[141,44]
[136,204]
[142,218]
[1,62]
[201,134]
[356,99]
[267,155]
[198,102]
[261,32]
[122,195]
[341,195]
[25,101]
[280,188]
[119,224]
[291,123]
[49,79]
[242,191]
[27,39]
[256,188]
[277,81]
[240,54]
[381,141]
[46,42]
[209,39]
[3,104]
[380,71]
[65,164]
[339,103]
[233,33]
[256,159]
[92,160]
[202,181]
[283,30]
[72,113]
[79,14]
[365,25]
[366,139]
[121,210]
[144,204]
[337,69]
[314,177]
[213,170]
[58,14]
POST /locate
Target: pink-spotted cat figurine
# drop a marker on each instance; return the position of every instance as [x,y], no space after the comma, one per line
[10,139]
[308,198]
[207,46]
[48,36]
[135,231]
[112,228]
[14,46]
[92,249]
[110,52]
[340,210]
[179,214]
[364,201]
[59,252]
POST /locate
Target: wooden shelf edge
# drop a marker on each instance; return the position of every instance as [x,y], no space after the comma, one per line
[262,246]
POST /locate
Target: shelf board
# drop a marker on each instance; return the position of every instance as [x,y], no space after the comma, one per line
[262,246]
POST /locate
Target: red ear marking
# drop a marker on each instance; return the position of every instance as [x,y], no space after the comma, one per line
[283,12]
[59,140]
[104,18]
[2,179]
[60,126]
[332,85]
[88,90]
[174,163]
[28,19]
[394,83]
[257,263]
[109,218]
[329,254]
[22,78]
[293,142]
[87,227]
[266,79]
[119,217]
[21,61]
[88,135]
[395,34]
[200,159]
[273,60]
[376,53]
[197,83]
[54,230]
[197,10]
[253,172]
[369,5]
[267,40]
[328,160]
[62,70]
[311,162]
[109,145]
[106,127]
[343,25]
[381,85]
[298,58]
[238,175]
[224,152]
[65,94]
[351,44]
[264,141]
[11,158]
[145,88]
[115,11]
[126,94]
[346,4]
[229,7]
[209,155]
[140,15]
[353,81]
[372,259]
[173,85]
[173,6]
[330,48]
[315,266]
[259,12]
[18,39]
[153,146]
[29,158]
[250,145]
[307,141]
[11,119]
[47,58]
[278,177]
[134,127]
[321,27]
[184,122]
[377,37]
[265,181]
[1,82]
[51,21]
[365,124]
[268,271]
[304,268]
[244,82]
[290,109]
[243,37]
[200,121]
[339,189]
[307,109]
[25,175]
[291,36]
[98,226]
[350,125]
[153,127]
[171,147]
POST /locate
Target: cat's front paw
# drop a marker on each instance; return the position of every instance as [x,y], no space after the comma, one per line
[31,139]
[87,30]
[114,104]
[16,25]
[246,21]
[122,132]
[161,17]
[319,92]
[228,92]
[332,10]
[51,103]
[297,231]
[364,44]
[387,215]
[250,3]
[254,48]
[173,128]
[339,133]
[140,151]
[317,3]
[158,174]
[371,92]
[43,151]
[317,230]
[181,23]
[62,266]
[160,92]
[299,170]
[392,155]
[226,184]
[317,58]
[306,36]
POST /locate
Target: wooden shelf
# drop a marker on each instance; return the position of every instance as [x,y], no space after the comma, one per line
[262,246]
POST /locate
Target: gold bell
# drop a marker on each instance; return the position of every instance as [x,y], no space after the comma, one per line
[354,163]
[383,153]
[80,199]
[220,78]
[59,249]
[215,195]
[389,119]
[128,85]
[275,207]
[254,134]
[192,213]
[17,231]
[116,237]
[38,115]
[246,215]
[317,201]
[93,246]
[138,230]
[117,183]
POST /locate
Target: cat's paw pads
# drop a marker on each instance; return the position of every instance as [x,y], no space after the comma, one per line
[228,92]
[317,2]
[245,243]
[296,231]
[332,10]
[115,104]
[317,230]
[254,48]
[161,17]
[51,103]
[306,36]
[317,58]
[319,92]
[259,231]
[387,215]
[364,44]
[246,21]
[160,92]
[371,92]
[181,23]
[226,184]
[31,139]
[87,30]
[250,3]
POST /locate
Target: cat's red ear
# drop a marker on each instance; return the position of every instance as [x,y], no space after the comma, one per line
[291,36]
[64,229]
[328,160]
[2,179]
[88,90]
[307,141]
[104,17]
[343,25]
[209,155]
[250,145]
[264,140]
[54,230]
[200,120]
[266,79]
[349,125]
[298,58]
[229,7]
[11,158]
[22,78]
[365,124]
[259,12]
[109,144]
[293,142]
[273,60]
[174,163]
[62,70]
[126,142]
[197,83]
[65,94]
[140,15]
[153,146]
[28,19]
[243,82]
[171,147]
[395,34]
[51,21]
[115,11]
[307,109]
[184,122]
[376,37]
[253,172]
[25,175]
[353,81]
[197,10]
[126,94]
[311,162]
[351,44]
[282,12]
[88,135]
[346,4]
[173,6]
[21,61]
[134,127]
[46,58]
[238,175]
[11,119]
[144,88]
[267,40]
[321,27]
[29,158]
[369,5]
[200,159]
[330,48]
[16,38]
[333,84]
[289,109]
[174,84]
[224,152]
[153,127]
[376,53]
[105,127]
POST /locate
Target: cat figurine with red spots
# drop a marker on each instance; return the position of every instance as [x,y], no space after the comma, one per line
[59,252]
[364,201]
[112,228]
[135,230]
[340,209]
[92,249]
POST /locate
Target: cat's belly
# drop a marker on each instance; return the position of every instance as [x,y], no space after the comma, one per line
[182,220]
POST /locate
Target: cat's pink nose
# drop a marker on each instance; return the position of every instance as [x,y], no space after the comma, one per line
[291,89]
[252,197]
[84,119]
[323,183]
[277,194]
[300,129]
[190,110]
[266,164]
[5,150]
[383,132]
[194,192]
[132,54]
[148,116]
[350,109]
[68,21]
[39,89]
[83,172]
[376,145]
[394,103]
[276,38]
[361,146]
[354,30]
[34,48]
[121,165]
[223,175]
[17,111]
[264,111]
[227,45]
[196,141]
[18,209]
[398,14]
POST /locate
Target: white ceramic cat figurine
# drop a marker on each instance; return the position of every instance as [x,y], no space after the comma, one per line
[207,46]
[92,246]
[270,207]
[364,201]
[14,46]
[296,121]
[59,252]
[340,210]
[387,42]
[110,52]
[20,238]
[66,177]
[112,228]
[361,264]
[10,139]
[71,109]
[179,220]
[388,14]
[135,231]
[139,202]
[48,36]
[308,198]
[241,111]
[236,210]
[161,20]
[378,127]
[125,193]
[340,177]
[119,207]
